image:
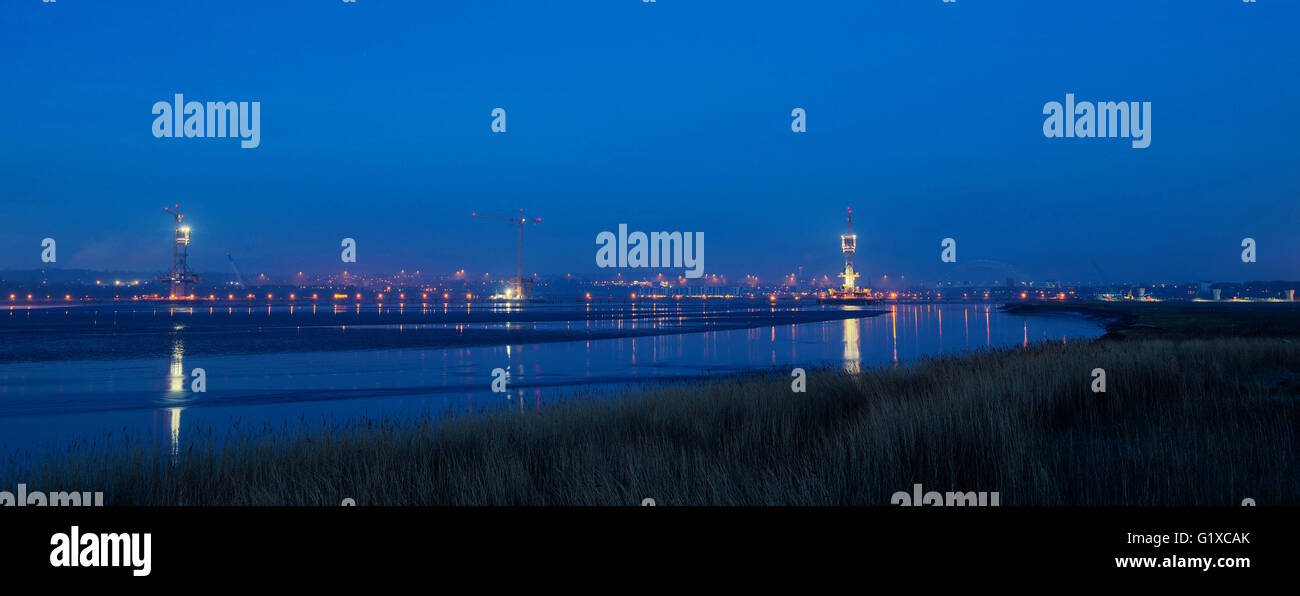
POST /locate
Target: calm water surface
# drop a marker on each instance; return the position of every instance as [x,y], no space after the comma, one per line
[48,402]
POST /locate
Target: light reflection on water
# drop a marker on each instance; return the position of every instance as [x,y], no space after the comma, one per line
[53,400]
[175,392]
[852,359]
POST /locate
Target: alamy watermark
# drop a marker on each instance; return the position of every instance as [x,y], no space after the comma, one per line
[56,499]
[108,549]
[800,382]
[1105,119]
[967,499]
[215,119]
[656,250]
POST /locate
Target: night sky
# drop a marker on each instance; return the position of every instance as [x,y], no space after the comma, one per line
[925,116]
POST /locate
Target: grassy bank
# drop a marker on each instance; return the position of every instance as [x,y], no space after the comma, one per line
[1130,319]
[1183,421]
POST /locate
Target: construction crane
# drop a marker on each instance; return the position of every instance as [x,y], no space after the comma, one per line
[519,263]
[1106,280]
[179,276]
[238,278]
[1099,272]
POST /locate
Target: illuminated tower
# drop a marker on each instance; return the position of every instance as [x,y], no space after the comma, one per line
[179,276]
[848,242]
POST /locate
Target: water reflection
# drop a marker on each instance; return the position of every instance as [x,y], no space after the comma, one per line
[175,393]
[173,417]
[852,359]
[86,397]
[176,373]
[939,311]
[893,322]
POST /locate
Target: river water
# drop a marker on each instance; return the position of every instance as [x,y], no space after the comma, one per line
[78,373]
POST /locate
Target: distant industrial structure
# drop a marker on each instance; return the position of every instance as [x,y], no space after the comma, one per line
[403,289]
[522,287]
[848,243]
[849,292]
[180,276]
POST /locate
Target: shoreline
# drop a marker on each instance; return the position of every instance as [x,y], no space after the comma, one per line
[1176,320]
[1019,421]
[1110,321]
[374,333]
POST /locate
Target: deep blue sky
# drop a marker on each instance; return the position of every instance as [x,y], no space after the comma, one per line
[924,116]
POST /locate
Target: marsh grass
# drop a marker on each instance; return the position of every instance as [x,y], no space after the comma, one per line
[1195,422]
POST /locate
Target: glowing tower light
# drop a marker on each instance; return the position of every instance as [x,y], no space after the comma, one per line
[179,276]
[848,243]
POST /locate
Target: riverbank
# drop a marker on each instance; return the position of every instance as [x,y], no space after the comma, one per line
[1131,319]
[1183,421]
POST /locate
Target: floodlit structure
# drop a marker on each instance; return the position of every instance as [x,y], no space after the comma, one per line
[520,287]
[179,277]
[849,292]
[848,243]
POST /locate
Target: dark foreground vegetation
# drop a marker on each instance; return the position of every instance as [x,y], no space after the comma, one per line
[1199,421]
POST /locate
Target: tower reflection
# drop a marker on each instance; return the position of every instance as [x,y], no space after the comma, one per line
[175,393]
[852,358]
